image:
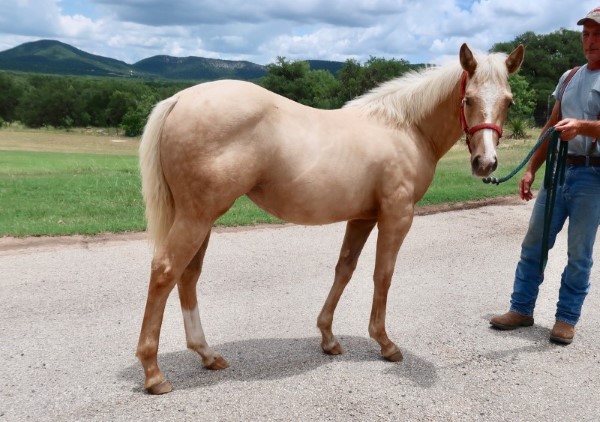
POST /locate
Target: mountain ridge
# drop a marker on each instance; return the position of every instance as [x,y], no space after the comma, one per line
[56,57]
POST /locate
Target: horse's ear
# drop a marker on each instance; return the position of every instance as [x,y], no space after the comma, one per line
[467,61]
[513,62]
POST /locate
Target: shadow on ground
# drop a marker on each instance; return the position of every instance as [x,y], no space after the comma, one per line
[272,359]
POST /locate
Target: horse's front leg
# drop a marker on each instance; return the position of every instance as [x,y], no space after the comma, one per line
[392,232]
[357,233]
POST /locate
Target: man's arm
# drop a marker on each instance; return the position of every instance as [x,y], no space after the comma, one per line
[538,157]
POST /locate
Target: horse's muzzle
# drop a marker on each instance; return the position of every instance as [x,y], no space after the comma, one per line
[482,167]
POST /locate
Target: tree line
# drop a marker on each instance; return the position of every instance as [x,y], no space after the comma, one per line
[547,57]
[65,102]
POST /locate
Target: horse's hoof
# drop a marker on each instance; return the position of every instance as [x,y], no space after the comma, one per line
[336,349]
[395,357]
[160,388]
[218,363]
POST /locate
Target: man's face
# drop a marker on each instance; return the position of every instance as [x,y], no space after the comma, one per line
[591,44]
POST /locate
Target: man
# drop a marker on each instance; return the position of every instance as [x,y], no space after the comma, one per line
[575,116]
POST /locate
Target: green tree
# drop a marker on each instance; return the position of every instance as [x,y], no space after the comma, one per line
[520,115]
[321,90]
[350,76]
[52,101]
[118,104]
[523,97]
[547,57]
[62,101]
[285,77]
[134,120]
[10,93]
[296,81]
[356,79]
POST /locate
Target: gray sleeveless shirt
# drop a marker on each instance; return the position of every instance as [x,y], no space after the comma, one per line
[581,100]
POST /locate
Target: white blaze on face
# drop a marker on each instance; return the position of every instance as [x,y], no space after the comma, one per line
[490,97]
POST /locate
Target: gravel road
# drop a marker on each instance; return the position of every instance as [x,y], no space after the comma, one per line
[71,313]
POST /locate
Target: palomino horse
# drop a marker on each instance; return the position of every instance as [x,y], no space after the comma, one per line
[367,163]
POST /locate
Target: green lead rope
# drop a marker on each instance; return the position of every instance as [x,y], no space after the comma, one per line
[495,181]
[556,158]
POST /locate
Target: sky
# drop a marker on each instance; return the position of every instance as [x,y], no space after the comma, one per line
[261,30]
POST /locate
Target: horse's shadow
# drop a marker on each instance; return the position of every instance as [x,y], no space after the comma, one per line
[271,359]
[279,358]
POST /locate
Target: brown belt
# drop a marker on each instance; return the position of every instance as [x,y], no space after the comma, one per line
[580,160]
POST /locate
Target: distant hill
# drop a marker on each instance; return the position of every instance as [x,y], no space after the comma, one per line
[55,57]
[199,68]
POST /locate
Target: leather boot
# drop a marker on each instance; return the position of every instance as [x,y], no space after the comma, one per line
[562,332]
[511,320]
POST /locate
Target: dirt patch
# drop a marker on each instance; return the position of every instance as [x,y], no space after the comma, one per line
[434,209]
[72,142]
[16,243]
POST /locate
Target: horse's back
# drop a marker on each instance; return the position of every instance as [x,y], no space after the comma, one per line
[219,113]
[231,99]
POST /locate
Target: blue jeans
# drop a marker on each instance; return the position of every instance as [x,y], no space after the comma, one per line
[579,201]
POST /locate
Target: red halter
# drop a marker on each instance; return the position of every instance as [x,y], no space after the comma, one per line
[469,131]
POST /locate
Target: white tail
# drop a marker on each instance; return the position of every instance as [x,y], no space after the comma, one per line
[156,192]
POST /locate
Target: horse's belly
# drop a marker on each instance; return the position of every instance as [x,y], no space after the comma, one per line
[310,208]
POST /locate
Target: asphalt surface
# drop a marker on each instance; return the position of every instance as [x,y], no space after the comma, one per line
[71,314]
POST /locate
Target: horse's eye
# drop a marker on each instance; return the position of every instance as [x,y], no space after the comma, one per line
[467,101]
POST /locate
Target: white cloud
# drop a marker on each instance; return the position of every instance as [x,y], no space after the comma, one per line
[79,26]
[29,18]
[259,31]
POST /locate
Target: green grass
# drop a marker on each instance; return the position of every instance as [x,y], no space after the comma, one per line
[46,193]
[43,193]
[453,181]
[64,193]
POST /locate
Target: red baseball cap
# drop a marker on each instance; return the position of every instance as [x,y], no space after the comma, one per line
[594,15]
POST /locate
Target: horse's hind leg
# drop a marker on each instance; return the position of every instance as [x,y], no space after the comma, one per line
[168,264]
[194,333]
[357,232]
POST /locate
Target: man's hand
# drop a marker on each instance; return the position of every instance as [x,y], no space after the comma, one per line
[525,185]
[568,128]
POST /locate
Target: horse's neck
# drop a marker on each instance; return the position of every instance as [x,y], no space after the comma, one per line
[443,129]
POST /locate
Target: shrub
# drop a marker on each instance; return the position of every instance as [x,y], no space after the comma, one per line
[518,127]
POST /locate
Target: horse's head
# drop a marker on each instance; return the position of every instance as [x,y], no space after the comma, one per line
[485,99]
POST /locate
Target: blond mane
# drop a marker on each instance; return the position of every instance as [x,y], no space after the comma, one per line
[412,96]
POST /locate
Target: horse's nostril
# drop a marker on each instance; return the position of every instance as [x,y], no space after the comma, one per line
[480,165]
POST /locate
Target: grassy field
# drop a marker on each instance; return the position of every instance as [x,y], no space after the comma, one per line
[80,182]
